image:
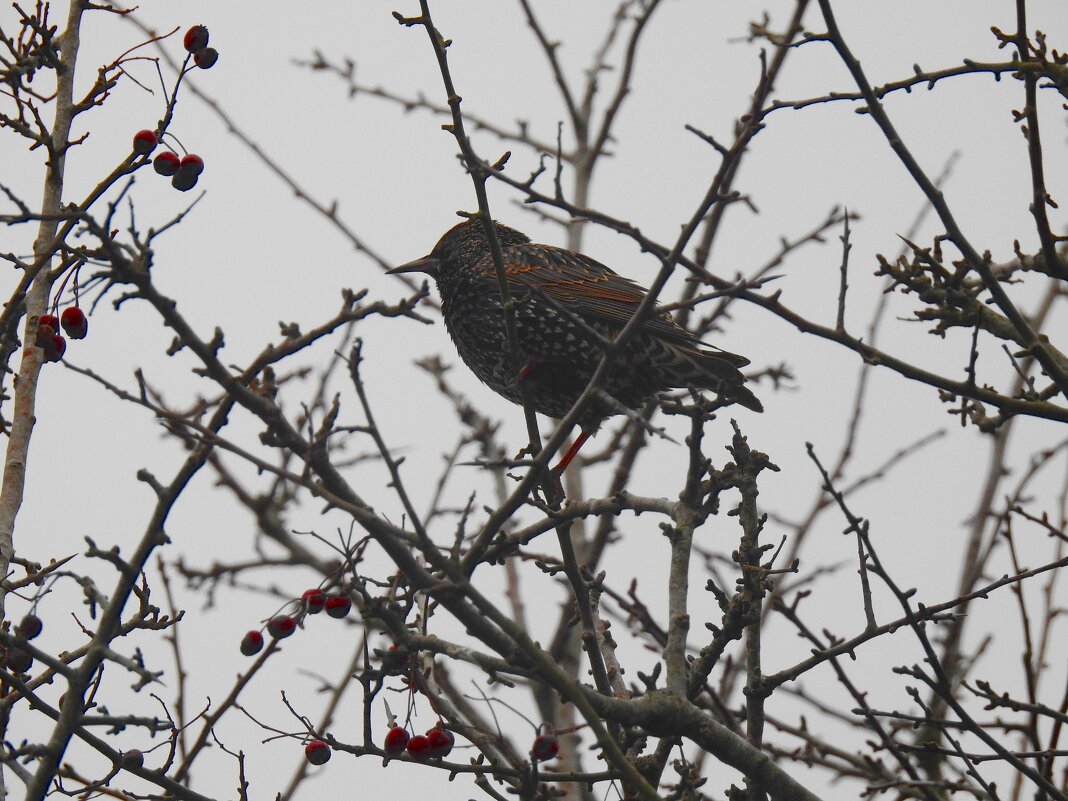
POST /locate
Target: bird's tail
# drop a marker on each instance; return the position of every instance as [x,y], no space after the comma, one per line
[719,370]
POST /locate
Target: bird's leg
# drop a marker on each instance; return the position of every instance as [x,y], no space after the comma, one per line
[580,440]
[528,369]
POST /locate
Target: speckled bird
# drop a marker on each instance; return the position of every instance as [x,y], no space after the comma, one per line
[560,298]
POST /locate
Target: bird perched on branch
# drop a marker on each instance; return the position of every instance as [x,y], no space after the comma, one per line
[568,309]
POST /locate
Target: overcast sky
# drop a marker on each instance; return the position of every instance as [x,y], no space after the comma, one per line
[250,255]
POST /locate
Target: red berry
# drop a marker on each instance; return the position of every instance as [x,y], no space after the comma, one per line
[188,171]
[206,58]
[252,643]
[546,747]
[55,351]
[133,758]
[193,163]
[166,163]
[396,739]
[196,38]
[440,742]
[50,320]
[50,342]
[338,605]
[317,752]
[184,181]
[281,627]
[314,600]
[419,748]
[30,626]
[74,322]
[17,660]
[44,335]
[144,142]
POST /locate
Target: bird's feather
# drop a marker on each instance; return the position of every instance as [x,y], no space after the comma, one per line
[590,289]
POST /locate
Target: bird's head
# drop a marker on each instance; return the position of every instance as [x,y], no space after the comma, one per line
[465,244]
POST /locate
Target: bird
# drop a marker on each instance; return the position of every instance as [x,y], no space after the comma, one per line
[567,307]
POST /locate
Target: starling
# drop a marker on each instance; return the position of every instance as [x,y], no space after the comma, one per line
[566,307]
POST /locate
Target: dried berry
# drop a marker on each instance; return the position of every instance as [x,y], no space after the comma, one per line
[281,627]
[133,758]
[166,163]
[439,741]
[196,38]
[18,661]
[396,740]
[317,752]
[144,142]
[184,181]
[30,626]
[45,333]
[54,351]
[418,748]
[74,322]
[193,163]
[206,58]
[189,169]
[338,605]
[252,643]
[314,600]
[546,747]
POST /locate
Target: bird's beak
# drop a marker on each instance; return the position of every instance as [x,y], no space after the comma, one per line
[427,264]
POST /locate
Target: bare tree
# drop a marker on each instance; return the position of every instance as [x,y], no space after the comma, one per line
[739,686]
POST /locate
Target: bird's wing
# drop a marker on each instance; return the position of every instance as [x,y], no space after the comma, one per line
[591,290]
[583,286]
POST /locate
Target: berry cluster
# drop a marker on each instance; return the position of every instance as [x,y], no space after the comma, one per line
[312,602]
[16,659]
[73,322]
[184,171]
[196,43]
[437,743]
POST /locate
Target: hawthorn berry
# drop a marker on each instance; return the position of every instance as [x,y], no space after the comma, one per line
[184,181]
[281,626]
[206,58]
[17,660]
[545,747]
[314,600]
[166,163]
[396,740]
[440,741]
[45,333]
[338,605]
[54,351]
[193,163]
[144,142]
[252,643]
[133,758]
[50,320]
[189,170]
[74,322]
[418,748]
[196,38]
[30,626]
[317,752]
